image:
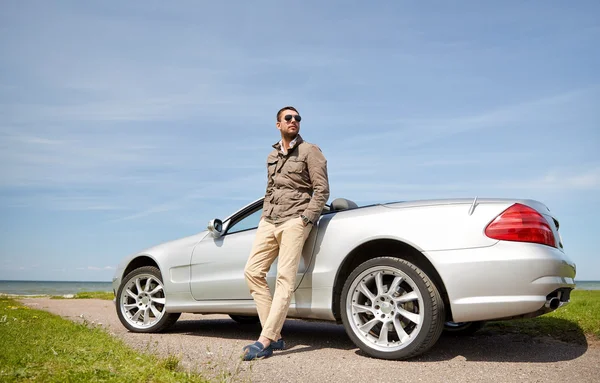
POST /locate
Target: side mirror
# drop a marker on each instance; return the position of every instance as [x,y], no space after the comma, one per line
[215,226]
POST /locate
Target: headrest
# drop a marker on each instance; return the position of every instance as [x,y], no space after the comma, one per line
[342,204]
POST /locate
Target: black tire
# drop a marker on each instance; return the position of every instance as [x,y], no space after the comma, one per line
[413,312]
[463,328]
[245,319]
[145,283]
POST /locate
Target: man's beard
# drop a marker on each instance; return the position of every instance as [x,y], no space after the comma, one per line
[289,136]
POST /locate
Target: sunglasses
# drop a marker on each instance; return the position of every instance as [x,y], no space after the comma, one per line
[288,117]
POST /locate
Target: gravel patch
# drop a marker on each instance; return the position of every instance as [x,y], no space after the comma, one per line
[319,351]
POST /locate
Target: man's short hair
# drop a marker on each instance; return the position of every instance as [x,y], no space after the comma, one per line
[285,108]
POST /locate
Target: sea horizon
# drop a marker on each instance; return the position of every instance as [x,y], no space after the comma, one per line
[81,281]
[50,281]
[60,288]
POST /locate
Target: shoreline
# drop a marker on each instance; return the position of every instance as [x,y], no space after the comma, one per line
[104,295]
[25,296]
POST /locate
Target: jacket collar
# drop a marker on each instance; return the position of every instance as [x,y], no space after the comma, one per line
[295,142]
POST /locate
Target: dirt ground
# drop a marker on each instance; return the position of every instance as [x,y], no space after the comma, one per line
[322,352]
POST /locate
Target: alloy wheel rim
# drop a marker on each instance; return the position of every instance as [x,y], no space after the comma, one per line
[385,308]
[143,301]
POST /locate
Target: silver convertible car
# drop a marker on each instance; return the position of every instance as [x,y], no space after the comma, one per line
[394,274]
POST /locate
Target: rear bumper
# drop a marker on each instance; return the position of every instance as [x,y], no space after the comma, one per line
[506,280]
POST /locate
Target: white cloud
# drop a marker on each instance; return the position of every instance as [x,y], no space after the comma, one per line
[567,179]
[345,164]
[94,268]
[554,181]
[68,202]
[235,188]
[416,132]
[88,170]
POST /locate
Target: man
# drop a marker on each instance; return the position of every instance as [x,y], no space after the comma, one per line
[297,190]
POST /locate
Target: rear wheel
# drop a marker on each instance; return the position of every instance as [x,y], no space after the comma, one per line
[391,309]
[141,301]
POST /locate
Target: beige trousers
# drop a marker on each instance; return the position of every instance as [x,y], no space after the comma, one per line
[284,240]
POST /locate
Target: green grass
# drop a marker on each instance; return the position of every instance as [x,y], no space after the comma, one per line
[575,322]
[106,295]
[38,346]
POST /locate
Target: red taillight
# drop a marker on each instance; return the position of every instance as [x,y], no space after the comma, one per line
[521,223]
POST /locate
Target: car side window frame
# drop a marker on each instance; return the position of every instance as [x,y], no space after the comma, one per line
[233,221]
[242,216]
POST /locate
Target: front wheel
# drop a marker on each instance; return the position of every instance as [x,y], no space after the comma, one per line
[391,309]
[141,301]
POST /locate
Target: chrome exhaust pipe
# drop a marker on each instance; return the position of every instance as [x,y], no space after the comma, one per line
[553,303]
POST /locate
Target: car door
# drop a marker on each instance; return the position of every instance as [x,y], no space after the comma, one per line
[217,264]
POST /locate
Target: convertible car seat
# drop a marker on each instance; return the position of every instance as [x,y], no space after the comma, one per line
[340,204]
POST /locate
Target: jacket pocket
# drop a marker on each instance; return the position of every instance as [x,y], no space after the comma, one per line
[296,166]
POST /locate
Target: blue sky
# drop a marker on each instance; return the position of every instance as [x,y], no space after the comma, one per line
[125,124]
